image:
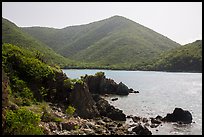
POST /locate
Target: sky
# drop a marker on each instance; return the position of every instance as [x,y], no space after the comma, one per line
[179,21]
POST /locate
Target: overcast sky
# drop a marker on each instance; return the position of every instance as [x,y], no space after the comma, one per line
[179,21]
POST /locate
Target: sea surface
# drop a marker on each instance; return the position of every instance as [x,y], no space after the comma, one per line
[159,93]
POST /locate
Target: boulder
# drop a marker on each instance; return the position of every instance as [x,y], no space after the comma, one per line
[114,99]
[67,126]
[136,119]
[122,89]
[179,115]
[141,130]
[107,110]
[83,101]
[99,84]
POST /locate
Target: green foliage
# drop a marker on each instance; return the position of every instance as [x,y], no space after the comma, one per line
[185,58]
[22,122]
[115,42]
[21,91]
[68,84]
[70,110]
[14,35]
[100,74]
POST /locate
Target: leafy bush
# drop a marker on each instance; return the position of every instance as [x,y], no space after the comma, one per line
[100,74]
[22,122]
[68,84]
[70,110]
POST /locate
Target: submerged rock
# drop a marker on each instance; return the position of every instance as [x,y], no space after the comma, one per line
[179,115]
[114,99]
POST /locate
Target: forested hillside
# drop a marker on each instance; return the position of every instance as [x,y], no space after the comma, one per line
[185,58]
[113,41]
[14,35]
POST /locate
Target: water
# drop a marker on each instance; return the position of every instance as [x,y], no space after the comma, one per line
[159,93]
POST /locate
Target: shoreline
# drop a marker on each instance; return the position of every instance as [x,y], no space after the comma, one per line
[78,68]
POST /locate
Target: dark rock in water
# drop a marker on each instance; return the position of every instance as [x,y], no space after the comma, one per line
[136,91]
[154,125]
[99,84]
[83,101]
[159,117]
[144,120]
[155,121]
[141,130]
[114,99]
[129,116]
[107,110]
[122,89]
[115,114]
[136,119]
[179,115]
[131,89]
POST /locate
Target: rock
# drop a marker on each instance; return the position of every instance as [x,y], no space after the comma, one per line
[99,84]
[131,89]
[144,120]
[13,106]
[155,121]
[129,116]
[107,110]
[105,119]
[53,126]
[106,95]
[119,125]
[141,130]
[67,126]
[158,117]
[100,122]
[83,101]
[179,114]
[115,114]
[114,99]
[136,92]
[122,89]
[154,125]
[136,119]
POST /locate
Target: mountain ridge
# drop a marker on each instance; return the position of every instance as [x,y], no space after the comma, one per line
[122,35]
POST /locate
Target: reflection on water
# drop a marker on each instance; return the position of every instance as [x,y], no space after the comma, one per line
[159,93]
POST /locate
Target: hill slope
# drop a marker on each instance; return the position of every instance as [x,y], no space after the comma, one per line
[185,58]
[14,35]
[116,40]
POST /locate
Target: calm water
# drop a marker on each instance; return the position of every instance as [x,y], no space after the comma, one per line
[160,93]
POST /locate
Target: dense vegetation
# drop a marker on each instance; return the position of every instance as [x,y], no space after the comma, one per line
[115,42]
[14,35]
[186,58]
[29,81]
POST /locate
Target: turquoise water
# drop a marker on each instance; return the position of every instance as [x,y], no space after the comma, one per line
[159,93]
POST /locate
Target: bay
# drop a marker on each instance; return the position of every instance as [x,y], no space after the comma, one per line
[159,93]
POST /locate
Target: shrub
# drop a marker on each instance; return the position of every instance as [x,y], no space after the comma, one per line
[22,122]
[100,74]
[68,84]
[70,110]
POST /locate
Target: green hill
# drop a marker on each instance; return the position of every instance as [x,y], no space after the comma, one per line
[113,41]
[14,35]
[187,58]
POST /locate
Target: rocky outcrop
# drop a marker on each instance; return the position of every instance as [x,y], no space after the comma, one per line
[99,84]
[107,110]
[122,89]
[141,130]
[82,100]
[179,115]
